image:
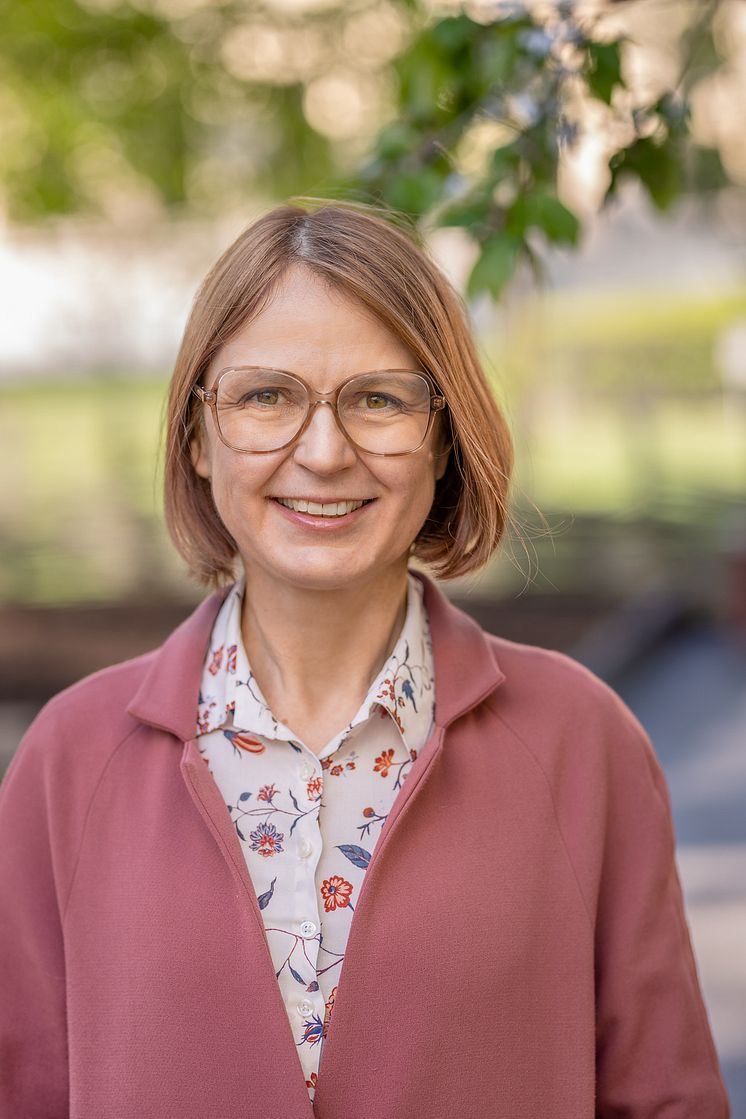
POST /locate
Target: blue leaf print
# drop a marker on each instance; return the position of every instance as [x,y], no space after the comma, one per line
[357,855]
[298,749]
[266,898]
[312,986]
[244,796]
[296,977]
[295,802]
[240,834]
[295,821]
[409,693]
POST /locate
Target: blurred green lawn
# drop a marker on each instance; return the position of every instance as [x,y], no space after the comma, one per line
[616,407]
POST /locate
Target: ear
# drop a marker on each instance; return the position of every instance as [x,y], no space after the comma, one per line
[199,453]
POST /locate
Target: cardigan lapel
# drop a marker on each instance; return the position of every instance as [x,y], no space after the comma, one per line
[466,672]
[466,668]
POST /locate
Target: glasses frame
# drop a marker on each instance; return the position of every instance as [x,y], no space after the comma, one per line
[210,398]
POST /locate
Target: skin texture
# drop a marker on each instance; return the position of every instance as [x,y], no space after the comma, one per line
[322,611]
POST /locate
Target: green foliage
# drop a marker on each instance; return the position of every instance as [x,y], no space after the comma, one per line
[103,99]
[524,73]
[108,96]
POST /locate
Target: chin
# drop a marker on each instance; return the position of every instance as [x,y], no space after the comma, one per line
[313,570]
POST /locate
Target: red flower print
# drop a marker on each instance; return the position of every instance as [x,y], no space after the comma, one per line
[328,1010]
[203,718]
[325,763]
[368,812]
[314,788]
[413,755]
[267,792]
[244,742]
[230,664]
[384,763]
[312,1082]
[217,660]
[336,770]
[336,893]
[350,765]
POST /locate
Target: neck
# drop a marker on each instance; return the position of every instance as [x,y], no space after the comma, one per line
[309,648]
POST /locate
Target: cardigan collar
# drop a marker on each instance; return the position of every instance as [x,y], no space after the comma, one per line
[466,668]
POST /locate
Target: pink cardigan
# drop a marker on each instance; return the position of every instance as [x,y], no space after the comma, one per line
[523,897]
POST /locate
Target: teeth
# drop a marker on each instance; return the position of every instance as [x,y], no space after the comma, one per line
[328,509]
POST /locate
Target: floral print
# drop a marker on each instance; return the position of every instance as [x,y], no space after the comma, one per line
[336,893]
[308,823]
[267,840]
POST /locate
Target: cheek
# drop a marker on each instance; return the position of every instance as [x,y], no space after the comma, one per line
[415,486]
[235,480]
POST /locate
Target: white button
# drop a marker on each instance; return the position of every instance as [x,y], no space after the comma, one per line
[305,848]
[307,771]
[308,928]
[304,1008]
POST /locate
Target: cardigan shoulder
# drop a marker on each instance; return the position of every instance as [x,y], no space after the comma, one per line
[98,700]
[545,685]
[594,757]
[63,758]
[78,729]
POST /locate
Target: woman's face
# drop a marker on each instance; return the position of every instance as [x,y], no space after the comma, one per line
[325,337]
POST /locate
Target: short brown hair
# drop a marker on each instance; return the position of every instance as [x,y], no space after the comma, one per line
[370,255]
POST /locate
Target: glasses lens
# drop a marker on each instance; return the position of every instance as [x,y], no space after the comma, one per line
[386,412]
[260,409]
[264,409]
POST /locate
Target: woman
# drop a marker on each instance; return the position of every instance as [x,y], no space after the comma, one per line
[333,849]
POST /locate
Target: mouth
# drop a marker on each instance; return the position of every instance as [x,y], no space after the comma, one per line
[322,508]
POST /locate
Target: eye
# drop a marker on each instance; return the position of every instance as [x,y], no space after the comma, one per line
[378,400]
[263,396]
[375,401]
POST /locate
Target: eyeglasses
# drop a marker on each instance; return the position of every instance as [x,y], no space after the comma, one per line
[386,412]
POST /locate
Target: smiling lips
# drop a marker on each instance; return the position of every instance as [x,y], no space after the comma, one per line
[322,509]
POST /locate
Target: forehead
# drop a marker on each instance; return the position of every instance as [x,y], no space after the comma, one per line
[312,328]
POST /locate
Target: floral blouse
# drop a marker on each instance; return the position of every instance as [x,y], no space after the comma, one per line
[308,823]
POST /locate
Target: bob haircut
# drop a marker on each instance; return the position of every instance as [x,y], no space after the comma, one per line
[362,251]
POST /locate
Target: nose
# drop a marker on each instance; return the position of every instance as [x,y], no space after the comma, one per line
[323,447]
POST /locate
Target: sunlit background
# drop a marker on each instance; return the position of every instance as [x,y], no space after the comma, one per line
[139,138]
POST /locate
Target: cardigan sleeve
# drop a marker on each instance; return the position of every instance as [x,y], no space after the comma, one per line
[33,1043]
[654,1050]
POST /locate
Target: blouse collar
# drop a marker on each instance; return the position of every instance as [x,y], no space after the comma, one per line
[465,659]
[230,696]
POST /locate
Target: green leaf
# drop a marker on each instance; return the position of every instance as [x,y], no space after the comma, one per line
[414,192]
[495,265]
[541,209]
[658,166]
[560,224]
[454,33]
[604,69]
[397,139]
[504,162]
[467,211]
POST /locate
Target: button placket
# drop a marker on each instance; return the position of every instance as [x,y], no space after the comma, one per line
[307,770]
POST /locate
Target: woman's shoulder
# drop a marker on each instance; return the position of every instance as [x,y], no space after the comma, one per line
[548,695]
[87,719]
[103,693]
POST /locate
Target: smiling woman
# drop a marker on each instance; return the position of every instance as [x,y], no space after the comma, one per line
[257,870]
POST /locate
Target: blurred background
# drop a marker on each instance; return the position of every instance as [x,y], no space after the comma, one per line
[579,171]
